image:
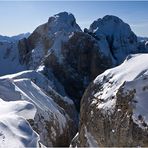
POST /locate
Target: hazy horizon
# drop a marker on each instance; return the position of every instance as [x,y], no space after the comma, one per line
[24,16]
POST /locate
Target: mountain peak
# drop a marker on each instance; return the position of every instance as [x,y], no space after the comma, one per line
[110,22]
[112,18]
[65,16]
[63,21]
[119,35]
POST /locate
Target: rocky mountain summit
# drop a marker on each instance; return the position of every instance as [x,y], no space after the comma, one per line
[52,67]
[77,57]
[122,41]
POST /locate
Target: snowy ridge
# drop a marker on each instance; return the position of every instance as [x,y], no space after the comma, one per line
[41,81]
[31,92]
[34,87]
[128,72]
[42,101]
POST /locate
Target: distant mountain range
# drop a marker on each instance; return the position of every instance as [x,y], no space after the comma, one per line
[14,38]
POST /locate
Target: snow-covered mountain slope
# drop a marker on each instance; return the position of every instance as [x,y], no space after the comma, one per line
[9,58]
[121,39]
[15,131]
[39,79]
[9,54]
[55,114]
[117,101]
[114,78]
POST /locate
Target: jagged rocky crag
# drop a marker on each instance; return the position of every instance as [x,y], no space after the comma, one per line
[61,60]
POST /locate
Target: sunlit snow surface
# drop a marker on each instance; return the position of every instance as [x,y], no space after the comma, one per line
[133,71]
[33,87]
[15,131]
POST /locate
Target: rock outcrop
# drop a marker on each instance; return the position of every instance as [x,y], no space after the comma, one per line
[114,107]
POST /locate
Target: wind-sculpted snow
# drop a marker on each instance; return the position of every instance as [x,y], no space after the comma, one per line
[39,79]
[15,131]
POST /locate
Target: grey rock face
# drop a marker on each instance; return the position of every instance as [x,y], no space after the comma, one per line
[82,59]
[47,37]
[117,129]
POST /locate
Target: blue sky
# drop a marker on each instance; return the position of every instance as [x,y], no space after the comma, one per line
[24,16]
